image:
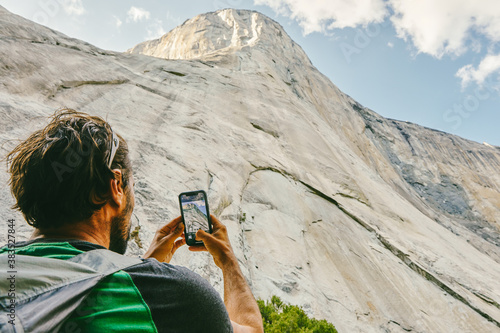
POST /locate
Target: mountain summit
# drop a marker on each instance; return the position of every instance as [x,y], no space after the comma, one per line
[221,33]
[375,224]
[243,40]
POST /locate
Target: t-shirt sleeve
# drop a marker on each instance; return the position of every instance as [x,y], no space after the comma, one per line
[179,299]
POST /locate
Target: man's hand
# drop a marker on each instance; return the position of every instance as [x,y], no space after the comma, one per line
[240,303]
[165,242]
[217,243]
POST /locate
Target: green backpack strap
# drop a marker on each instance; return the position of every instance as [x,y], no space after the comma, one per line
[48,290]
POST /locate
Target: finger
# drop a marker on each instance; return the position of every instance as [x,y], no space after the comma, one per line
[178,243]
[202,235]
[174,236]
[215,221]
[179,230]
[167,228]
[174,233]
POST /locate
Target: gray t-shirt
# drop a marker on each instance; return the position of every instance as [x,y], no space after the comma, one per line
[148,297]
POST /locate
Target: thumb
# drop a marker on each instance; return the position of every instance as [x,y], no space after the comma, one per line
[177,232]
[179,229]
[202,235]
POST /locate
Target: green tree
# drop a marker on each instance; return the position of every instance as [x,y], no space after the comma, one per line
[279,317]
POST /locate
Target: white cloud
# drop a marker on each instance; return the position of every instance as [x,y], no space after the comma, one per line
[444,27]
[321,15]
[434,27]
[137,14]
[155,29]
[72,7]
[175,19]
[390,44]
[118,22]
[451,27]
[489,65]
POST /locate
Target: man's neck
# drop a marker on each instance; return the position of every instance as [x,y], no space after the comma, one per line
[89,231]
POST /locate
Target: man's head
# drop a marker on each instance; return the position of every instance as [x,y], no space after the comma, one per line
[61,175]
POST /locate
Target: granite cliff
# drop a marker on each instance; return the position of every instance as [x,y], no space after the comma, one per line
[374,224]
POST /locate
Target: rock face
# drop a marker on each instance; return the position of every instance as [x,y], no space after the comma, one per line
[374,224]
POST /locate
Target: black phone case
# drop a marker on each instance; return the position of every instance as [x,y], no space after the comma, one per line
[188,242]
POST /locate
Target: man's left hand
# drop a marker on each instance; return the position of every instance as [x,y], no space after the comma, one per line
[166,241]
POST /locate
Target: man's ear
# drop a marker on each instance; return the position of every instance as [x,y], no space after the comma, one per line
[116,187]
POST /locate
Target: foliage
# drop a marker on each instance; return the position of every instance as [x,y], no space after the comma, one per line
[279,317]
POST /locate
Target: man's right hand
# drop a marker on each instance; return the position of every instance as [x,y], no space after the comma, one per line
[240,303]
[217,243]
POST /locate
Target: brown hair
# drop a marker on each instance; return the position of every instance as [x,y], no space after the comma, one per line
[60,174]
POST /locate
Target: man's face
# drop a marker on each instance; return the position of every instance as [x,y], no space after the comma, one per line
[120,225]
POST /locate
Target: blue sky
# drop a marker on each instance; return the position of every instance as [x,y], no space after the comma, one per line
[432,62]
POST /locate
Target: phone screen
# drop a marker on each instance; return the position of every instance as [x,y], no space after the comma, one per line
[194,209]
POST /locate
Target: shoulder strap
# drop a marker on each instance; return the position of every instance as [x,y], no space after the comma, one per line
[48,290]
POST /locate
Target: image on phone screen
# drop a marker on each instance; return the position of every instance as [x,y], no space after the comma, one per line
[194,210]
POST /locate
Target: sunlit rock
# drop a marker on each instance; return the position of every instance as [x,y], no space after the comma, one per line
[374,224]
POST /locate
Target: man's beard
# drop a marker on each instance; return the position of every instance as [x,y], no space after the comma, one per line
[120,234]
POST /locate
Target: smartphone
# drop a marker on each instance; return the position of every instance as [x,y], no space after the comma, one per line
[195,214]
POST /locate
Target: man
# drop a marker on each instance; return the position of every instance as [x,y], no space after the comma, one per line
[73,183]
